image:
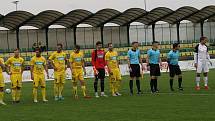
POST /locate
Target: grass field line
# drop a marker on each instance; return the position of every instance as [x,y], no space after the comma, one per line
[188,94]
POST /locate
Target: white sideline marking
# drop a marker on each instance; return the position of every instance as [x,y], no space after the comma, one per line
[188,94]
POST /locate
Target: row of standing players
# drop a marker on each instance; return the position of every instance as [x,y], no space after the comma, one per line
[101,61]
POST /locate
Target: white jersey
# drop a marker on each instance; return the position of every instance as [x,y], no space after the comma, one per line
[201,53]
[201,57]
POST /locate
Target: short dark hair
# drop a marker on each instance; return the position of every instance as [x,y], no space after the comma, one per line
[134,42]
[98,42]
[77,47]
[38,49]
[175,45]
[109,44]
[59,44]
[202,38]
[17,49]
[155,42]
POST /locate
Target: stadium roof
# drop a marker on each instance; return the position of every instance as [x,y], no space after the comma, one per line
[16,19]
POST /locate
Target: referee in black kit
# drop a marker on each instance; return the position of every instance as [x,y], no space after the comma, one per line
[134,61]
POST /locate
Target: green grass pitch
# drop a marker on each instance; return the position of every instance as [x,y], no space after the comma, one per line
[188,105]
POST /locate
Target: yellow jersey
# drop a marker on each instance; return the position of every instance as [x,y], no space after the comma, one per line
[38,63]
[15,64]
[2,62]
[59,60]
[76,59]
[112,60]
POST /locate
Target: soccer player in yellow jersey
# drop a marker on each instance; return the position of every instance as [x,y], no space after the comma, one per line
[38,65]
[15,69]
[113,69]
[2,67]
[59,62]
[78,68]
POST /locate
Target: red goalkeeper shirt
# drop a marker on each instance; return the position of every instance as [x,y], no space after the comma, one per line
[98,59]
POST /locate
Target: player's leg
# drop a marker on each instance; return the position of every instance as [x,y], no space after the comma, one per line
[132,75]
[112,81]
[157,73]
[101,76]
[83,85]
[75,84]
[118,82]
[13,87]
[178,72]
[153,78]
[35,88]
[171,76]
[43,88]
[206,80]
[137,72]
[96,86]
[56,86]
[19,86]
[61,86]
[2,89]
[206,70]
[198,74]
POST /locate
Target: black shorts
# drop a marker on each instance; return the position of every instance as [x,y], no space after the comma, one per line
[174,70]
[154,70]
[135,70]
[101,73]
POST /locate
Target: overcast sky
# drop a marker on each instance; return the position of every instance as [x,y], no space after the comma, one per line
[36,6]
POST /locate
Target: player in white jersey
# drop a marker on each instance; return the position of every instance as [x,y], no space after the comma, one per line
[202,60]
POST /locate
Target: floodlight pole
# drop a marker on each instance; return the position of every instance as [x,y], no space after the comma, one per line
[16,4]
[145,4]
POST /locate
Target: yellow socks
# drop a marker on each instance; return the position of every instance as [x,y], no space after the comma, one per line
[43,90]
[83,90]
[61,86]
[35,93]
[13,94]
[18,94]
[1,96]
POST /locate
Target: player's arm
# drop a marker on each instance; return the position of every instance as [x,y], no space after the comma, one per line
[51,61]
[66,62]
[128,59]
[196,56]
[70,62]
[32,68]
[107,61]
[160,62]
[22,66]
[141,61]
[7,67]
[94,63]
[46,69]
[83,65]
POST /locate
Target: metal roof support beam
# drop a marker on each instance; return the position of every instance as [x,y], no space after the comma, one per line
[178,32]
[74,34]
[17,37]
[102,35]
[153,32]
[47,38]
[128,36]
[202,28]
